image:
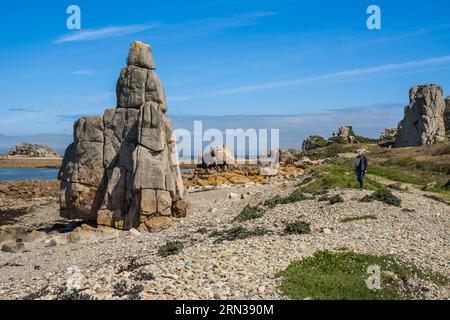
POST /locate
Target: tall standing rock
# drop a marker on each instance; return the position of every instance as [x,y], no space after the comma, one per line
[122,169]
[447,114]
[423,123]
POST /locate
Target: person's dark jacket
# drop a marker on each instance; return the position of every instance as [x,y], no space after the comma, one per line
[361,163]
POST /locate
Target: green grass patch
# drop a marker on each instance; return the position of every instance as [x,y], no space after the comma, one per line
[385,196]
[341,276]
[237,233]
[358,218]
[171,248]
[249,213]
[338,175]
[296,196]
[297,228]
[396,175]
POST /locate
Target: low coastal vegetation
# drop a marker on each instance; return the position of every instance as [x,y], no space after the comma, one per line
[297,228]
[170,248]
[358,218]
[342,276]
[385,196]
[249,213]
[337,175]
[296,196]
[237,233]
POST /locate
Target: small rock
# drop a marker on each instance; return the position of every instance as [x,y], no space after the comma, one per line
[233,196]
[134,233]
[13,247]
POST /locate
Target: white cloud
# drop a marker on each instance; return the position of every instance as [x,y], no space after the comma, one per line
[345,75]
[103,33]
[82,72]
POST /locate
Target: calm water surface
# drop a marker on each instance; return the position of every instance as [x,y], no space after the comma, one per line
[28,174]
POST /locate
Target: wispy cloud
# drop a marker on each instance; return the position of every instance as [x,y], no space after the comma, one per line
[346,75]
[23,110]
[82,72]
[104,33]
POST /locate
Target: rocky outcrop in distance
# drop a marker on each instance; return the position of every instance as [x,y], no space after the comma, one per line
[313,142]
[423,123]
[447,114]
[29,150]
[122,169]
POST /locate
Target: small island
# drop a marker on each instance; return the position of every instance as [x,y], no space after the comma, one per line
[27,155]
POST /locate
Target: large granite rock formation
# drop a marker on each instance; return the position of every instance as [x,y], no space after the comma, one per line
[32,150]
[423,123]
[122,169]
[313,142]
[447,114]
[344,135]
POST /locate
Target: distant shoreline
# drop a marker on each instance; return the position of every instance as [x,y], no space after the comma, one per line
[26,162]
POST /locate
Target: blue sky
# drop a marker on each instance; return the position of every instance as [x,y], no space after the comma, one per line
[310,60]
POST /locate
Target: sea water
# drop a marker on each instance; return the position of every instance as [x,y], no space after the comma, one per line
[28,174]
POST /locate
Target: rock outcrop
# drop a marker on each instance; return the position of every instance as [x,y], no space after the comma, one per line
[122,169]
[423,123]
[32,151]
[387,137]
[344,135]
[447,114]
[313,142]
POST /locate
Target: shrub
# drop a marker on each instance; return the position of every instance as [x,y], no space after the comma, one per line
[336,199]
[171,248]
[237,233]
[296,196]
[341,276]
[297,228]
[249,213]
[385,196]
[358,218]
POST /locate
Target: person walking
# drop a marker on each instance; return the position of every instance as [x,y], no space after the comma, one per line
[361,165]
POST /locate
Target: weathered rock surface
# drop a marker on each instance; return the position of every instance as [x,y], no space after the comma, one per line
[314,142]
[388,135]
[344,135]
[32,150]
[122,169]
[447,114]
[423,123]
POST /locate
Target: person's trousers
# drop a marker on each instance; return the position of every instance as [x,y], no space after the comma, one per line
[360,177]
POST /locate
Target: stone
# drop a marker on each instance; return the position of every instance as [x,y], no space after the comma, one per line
[156,224]
[388,135]
[181,208]
[423,122]
[399,186]
[140,56]
[122,167]
[269,164]
[148,202]
[134,233]
[345,134]
[447,114]
[233,196]
[8,234]
[313,142]
[13,247]
[33,236]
